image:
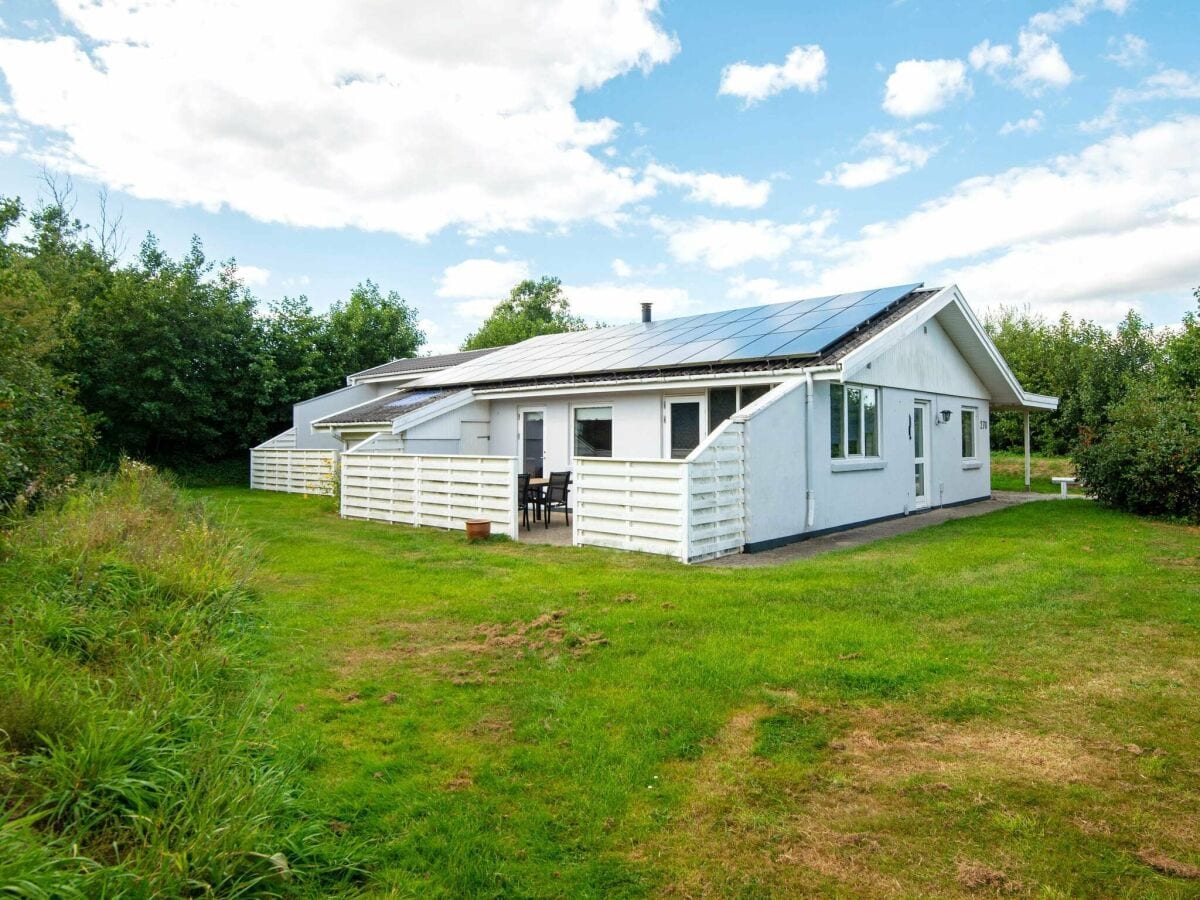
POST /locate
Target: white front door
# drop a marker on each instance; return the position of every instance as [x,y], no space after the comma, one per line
[531,440]
[685,425]
[920,439]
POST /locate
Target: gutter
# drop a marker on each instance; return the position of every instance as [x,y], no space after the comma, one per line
[577,387]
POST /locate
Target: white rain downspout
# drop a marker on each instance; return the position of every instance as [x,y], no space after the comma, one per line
[809,495]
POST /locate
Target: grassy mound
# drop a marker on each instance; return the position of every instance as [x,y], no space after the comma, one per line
[134,758]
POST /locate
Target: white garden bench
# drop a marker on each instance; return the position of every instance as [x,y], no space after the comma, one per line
[1064,481]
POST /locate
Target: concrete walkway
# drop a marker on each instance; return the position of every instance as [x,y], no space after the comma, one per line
[865,534]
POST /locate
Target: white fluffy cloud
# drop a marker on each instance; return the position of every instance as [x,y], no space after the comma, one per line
[1074,13]
[621,268]
[1128,51]
[893,155]
[724,243]
[1037,62]
[1028,125]
[717,190]
[803,70]
[918,87]
[1166,84]
[253,276]
[407,118]
[481,279]
[1087,232]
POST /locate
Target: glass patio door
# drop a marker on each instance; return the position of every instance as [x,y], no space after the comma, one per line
[685,425]
[532,441]
[920,438]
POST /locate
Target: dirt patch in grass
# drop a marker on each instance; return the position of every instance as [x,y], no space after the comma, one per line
[975,876]
[1174,868]
[877,754]
[846,817]
[545,635]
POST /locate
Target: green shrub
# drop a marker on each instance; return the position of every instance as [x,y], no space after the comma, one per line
[1147,460]
[135,755]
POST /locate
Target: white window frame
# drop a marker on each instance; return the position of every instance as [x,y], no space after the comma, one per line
[862,422]
[738,403]
[599,404]
[973,412]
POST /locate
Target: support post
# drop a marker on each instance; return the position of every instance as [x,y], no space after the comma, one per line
[1027,451]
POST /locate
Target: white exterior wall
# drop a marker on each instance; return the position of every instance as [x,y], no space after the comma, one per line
[927,366]
[637,425]
[308,411]
[457,431]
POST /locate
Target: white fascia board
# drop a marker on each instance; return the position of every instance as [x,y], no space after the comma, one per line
[433,410]
[906,325]
[322,425]
[857,359]
[390,377]
[633,385]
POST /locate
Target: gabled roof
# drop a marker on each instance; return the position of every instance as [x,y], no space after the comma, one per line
[384,410]
[797,329]
[418,364]
[959,322]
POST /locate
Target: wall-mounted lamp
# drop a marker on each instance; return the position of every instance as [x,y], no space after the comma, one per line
[945,415]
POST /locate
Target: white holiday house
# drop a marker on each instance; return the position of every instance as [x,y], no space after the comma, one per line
[696,436]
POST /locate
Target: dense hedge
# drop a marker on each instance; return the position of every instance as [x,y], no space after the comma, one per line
[1147,460]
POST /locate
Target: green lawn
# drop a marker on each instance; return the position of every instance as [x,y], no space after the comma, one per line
[1005,703]
[1008,472]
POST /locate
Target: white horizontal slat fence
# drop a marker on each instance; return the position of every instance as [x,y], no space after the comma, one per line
[277,466]
[441,491]
[631,504]
[691,509]
[716,495]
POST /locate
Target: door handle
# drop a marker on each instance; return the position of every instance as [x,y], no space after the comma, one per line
[910,426]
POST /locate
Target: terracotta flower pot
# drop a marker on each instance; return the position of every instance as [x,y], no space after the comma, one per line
[479,529]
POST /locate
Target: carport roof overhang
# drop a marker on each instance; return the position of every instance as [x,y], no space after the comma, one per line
[967,333]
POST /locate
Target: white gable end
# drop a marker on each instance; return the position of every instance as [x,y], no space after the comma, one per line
[925,360]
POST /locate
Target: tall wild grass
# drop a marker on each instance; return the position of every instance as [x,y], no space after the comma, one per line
[135,758]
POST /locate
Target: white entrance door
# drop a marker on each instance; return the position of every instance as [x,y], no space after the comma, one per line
[920,438]
[684,425]
[531,440]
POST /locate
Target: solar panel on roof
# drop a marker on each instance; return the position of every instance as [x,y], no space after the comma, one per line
[793,328]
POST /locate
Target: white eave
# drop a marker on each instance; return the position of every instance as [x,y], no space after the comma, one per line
[432,410]
[965,330]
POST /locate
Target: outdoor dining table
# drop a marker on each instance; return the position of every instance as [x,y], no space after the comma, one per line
[540,484]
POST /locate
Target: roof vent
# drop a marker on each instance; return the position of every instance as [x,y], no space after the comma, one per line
[646,311]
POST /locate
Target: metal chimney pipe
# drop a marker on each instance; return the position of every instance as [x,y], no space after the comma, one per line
[646,311]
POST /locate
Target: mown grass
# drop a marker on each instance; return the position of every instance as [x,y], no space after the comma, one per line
[1008,472]
[998,704]
[134,755]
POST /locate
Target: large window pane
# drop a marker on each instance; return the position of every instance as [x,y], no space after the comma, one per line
[854,421]
[870,422]
[722,403]
[593,431]
[752,393]
[968,433]
[836,424]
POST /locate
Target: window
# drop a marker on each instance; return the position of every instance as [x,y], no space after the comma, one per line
[968,432]
[593,431]
[724,402]
[853,421]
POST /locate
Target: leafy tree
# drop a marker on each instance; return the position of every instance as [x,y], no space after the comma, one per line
[291,365]
[1086,366]
[369,329]
[532,308]
[167,357]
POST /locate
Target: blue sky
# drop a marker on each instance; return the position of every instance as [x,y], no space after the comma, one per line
[696,155]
